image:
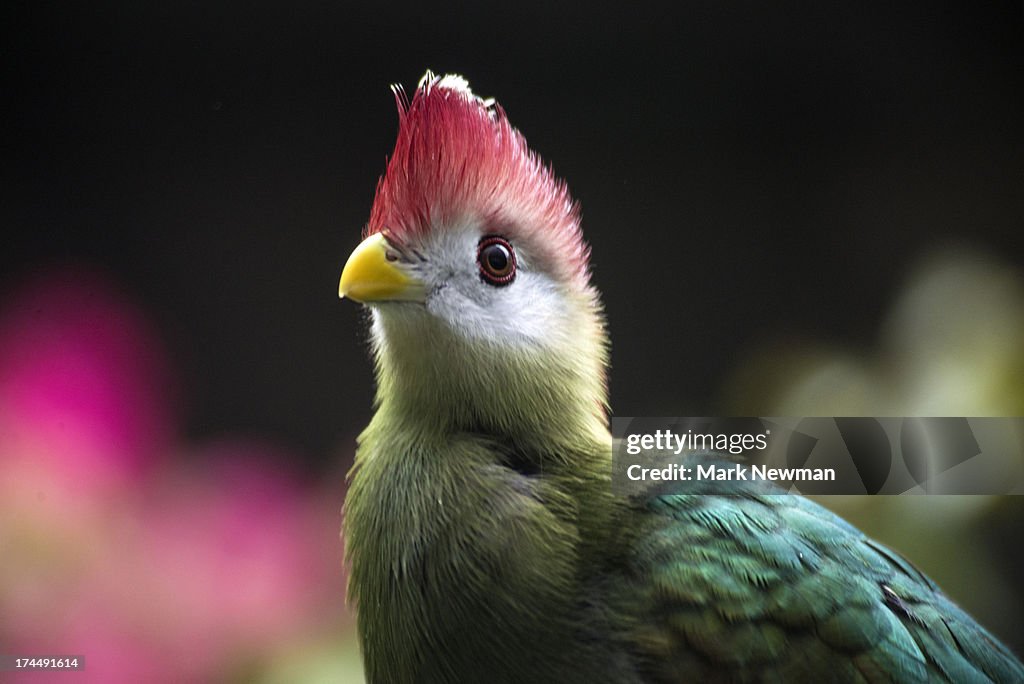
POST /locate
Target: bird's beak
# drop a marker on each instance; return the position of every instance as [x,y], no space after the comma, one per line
[373,273]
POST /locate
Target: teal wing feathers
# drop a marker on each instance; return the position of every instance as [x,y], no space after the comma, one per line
[755,587]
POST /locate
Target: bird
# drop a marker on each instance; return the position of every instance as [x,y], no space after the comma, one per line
[483,538]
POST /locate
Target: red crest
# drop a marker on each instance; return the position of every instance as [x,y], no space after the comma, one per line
[458,157]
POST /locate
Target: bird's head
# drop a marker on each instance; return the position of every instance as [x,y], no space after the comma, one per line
[475,271]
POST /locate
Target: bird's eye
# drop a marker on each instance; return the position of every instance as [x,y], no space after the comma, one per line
[497,260]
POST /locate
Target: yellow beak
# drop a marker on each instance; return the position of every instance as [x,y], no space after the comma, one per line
[373,273]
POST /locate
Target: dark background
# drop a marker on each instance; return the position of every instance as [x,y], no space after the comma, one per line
[742,169]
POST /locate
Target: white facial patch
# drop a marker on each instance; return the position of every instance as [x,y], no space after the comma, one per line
[530,311]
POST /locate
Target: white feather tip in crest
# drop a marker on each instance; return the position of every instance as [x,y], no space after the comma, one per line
[455,83]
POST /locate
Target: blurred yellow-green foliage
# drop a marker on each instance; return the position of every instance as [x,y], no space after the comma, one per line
[950,344]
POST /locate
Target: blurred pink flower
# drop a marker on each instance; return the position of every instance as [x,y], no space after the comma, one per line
[225,560]
[83,380]
[154,568]
[237,550]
